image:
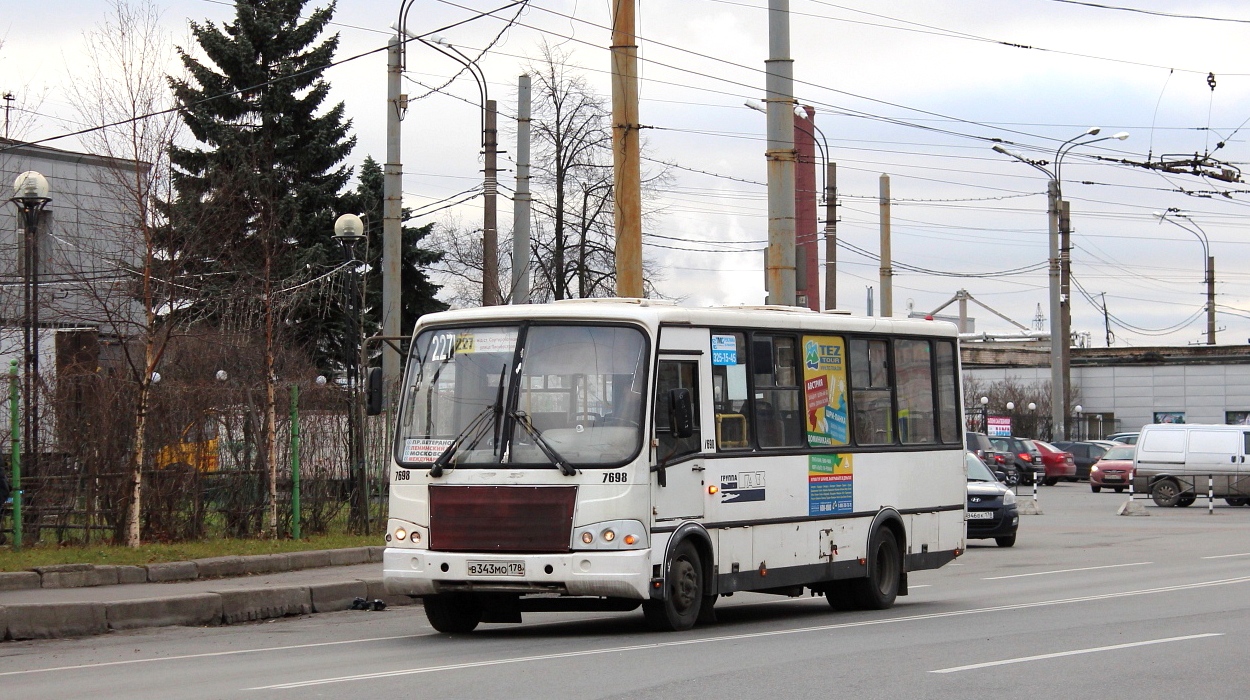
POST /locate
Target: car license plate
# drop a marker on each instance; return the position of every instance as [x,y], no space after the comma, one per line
[1112,477]
[496,568]
[980,515]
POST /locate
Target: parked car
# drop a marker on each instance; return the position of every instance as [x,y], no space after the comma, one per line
[1024,456]
[1114,470]
[1058,463]
[979,444]
[1085,453]
[992,511]
[1125,438]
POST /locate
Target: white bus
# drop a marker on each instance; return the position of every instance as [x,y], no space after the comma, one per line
[607,454]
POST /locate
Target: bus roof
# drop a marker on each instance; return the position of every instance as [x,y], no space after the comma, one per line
[654,313]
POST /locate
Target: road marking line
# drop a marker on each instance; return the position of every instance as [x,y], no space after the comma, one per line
[1068,571]
[1226,556]
[206,655]
[923,585]
[1075,652]
[748,635]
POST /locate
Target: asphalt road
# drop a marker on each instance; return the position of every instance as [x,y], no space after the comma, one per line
[1086,605]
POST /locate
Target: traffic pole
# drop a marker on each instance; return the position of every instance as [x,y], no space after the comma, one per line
[295,510]
[15,439]
[1210,494]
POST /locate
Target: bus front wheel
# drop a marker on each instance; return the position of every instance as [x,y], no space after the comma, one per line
[683,595]
[878,590]
[452,613]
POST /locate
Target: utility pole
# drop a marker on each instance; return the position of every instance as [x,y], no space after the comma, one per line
[490,230]
[831,235]
[779,90]
[869,300]
[626,151]
[887,271]
[1065,299]
[1210,300]
[1058,397]
[392,210]
[806,257]
[521,200]
[1106,319]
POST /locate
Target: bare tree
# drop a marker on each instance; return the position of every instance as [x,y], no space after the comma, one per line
[123,81]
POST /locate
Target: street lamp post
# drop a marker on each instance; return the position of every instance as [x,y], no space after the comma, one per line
[1058,321]
[1011,417]
[1033,418]
[985,414]
[1209,272]
[30,194]
[349,231]
[1079,423]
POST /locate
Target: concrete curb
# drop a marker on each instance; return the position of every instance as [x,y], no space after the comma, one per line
[57,620]
[88,575]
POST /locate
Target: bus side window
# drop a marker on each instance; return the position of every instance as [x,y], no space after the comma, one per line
[729,389]
[948,410]
[778,396]
[871,392]
[914,368]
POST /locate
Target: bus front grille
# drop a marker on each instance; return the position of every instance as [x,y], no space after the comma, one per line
[531,519]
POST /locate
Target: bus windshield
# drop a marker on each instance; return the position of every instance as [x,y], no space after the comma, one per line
[578,399]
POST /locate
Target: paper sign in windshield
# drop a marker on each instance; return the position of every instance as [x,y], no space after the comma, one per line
[485,341]
[424,451]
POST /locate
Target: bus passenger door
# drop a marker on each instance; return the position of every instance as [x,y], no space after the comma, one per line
[677,480]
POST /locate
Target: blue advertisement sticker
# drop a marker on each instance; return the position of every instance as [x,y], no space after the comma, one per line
[724,350]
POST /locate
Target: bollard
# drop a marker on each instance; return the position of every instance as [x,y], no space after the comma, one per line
[295,514]
[1210,494]
[1031,507]
[1131,506]
[15,422]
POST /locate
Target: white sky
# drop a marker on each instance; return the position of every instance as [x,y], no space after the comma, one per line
[895,60]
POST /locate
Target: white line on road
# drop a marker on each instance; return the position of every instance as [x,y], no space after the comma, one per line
[209,654]
[1068,571]
[1226,556]
[1075,652]
[749,635]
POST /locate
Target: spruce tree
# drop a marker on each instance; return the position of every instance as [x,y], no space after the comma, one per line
[265,178]
[417,292]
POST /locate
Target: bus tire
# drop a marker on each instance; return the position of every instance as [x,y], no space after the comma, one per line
[452,613]
[1165,493]
[879,588]
[683,592]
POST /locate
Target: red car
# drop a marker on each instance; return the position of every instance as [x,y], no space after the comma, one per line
[1114,470]
[1059,464]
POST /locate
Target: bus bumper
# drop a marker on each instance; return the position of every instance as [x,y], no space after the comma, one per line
[613,574]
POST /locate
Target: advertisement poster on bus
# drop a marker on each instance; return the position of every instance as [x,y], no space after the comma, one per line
[824,387]
[830,484]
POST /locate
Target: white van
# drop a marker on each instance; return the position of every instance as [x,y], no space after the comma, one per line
[1173,462]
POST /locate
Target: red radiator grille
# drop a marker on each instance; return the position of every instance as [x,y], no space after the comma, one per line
[501,518]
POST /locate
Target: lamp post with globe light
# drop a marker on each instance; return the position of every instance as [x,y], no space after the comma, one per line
[30,194]
[349,231]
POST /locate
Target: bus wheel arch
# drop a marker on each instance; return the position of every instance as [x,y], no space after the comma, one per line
[688,587]
[886,563]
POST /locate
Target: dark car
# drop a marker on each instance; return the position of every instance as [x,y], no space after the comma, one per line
[1114,470]
[1084,454]
[992,511]
[1059,464]
[1024,456]
[1126,438]
[999,462]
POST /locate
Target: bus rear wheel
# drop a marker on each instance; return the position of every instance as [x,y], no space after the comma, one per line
[452,613]
[683,595]
[878,590]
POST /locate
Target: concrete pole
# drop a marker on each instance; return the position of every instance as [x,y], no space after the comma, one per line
[1065,299]
[806,257]
[1058,415]
[887,270]
[963,311]
[1210,300]
[392,213]
[831,235]
[521,200]
[779,88]
[626,152]
[490,224]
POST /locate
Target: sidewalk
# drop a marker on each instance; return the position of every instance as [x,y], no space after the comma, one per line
[45,613]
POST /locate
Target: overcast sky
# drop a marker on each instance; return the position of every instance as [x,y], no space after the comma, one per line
[912,88]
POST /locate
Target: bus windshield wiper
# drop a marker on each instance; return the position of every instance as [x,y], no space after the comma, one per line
[476,428]
[524,421]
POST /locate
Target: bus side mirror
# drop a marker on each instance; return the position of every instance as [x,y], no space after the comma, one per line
[680,413]
[373,392]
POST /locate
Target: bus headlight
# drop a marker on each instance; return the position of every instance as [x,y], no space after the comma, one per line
[614,534]
[402,533]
